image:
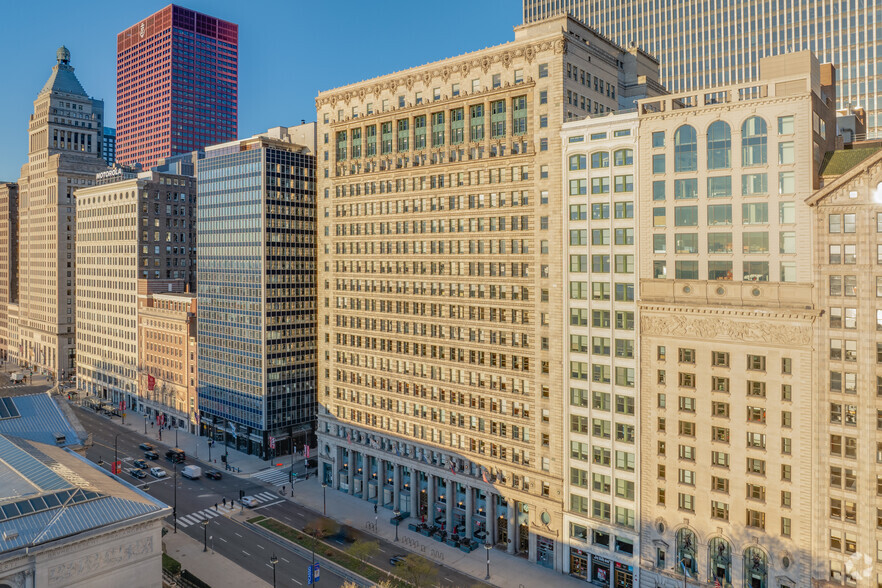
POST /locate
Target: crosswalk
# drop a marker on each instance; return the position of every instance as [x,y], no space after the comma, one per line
[274,476]
[196,518]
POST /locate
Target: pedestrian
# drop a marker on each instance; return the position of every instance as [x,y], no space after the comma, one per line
[215,506]
[283,488]
[225,501]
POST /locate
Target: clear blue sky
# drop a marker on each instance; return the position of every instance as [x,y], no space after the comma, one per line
[289,50]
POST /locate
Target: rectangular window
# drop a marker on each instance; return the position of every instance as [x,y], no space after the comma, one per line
[719,187]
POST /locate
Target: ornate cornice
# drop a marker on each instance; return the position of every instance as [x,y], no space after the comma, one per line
[733,325]
[444,70]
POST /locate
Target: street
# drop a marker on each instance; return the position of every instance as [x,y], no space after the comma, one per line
[203,499]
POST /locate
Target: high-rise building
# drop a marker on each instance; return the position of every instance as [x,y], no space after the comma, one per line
[135,236]
[846,514]
[167,356]
[8,258]
[109,146]
[600,423]
[706,44]
[176,85]
[441,285]
[64,154]
[257,304]
[727,311]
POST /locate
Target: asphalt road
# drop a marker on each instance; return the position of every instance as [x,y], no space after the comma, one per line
[235,540]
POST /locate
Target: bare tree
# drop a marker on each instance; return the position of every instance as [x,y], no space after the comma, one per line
[363,550]
[417,570]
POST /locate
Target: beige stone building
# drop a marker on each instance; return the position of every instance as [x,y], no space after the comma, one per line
[847,511]
[8,259]
[134,236]
[441,292]
[64,154]
[600,422]
[728,310]
[167,357]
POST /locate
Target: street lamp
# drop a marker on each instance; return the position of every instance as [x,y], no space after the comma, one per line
[273,560]
[204,535]
[115,454]
[488,547]
[397,514]
[175,510]
[324,499]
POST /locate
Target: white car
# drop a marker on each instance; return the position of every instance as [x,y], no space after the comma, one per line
[157,472]
[249,501]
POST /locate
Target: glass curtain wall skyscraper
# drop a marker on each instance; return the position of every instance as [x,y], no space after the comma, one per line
[256,332]
[718,42]
[177,85]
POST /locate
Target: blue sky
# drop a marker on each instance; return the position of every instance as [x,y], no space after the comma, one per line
[289,50]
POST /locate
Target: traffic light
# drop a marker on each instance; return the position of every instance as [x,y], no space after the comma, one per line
[224,457]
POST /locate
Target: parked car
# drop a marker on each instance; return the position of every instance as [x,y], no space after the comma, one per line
[213,474]
[249,501]
[151,455]
[157,472]
[396,560]
[140,463]
[136,473]
[146,446]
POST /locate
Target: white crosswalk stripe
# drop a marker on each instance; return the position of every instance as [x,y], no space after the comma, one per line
[195,518]
[275,476]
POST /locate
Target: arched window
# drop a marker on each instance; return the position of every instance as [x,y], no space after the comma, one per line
[686,545]
[719,557]
[719,146]
[685,149]
[756,564]
[753,141]
[623,157]
[599,159]
[577,162]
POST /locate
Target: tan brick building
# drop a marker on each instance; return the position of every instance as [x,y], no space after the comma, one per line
[134,236]
[167,357]
[64,154]
[441,291]
[728,309]
[847,511]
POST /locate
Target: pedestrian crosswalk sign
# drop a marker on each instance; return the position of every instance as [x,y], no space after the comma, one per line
[315,572]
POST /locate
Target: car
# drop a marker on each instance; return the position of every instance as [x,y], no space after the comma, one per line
[137,473]
[151,455]
[396,560]
[146,446]
[213,474]
[157,472]
[140,463]
[249,501]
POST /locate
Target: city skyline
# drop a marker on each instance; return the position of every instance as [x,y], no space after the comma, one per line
[288,100]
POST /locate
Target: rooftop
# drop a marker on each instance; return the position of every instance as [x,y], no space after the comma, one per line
[36,417]
[63,78]
[838,162]
[48,493]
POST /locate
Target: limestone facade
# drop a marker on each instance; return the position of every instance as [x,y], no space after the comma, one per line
[442,297]
[8,259]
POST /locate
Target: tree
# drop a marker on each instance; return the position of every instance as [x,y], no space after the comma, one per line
[363,550]
[321,528]
[417,570]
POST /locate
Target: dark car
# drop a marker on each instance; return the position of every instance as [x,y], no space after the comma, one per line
[213,474]
[136,473]
[146,446]
[396,560]
[140,463]
[151,455]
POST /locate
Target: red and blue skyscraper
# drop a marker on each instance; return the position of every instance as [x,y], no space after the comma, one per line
[177,85]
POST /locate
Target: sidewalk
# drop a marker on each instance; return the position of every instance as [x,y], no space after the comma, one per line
[506,570]
[211,568]
[196,447]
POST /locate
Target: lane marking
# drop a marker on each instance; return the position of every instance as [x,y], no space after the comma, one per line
[246,553]
[299,583]
[222,539]
[270,504]
[240,536]
[269,566]
[300,514]
[381,550]
[261,546]
[285,560]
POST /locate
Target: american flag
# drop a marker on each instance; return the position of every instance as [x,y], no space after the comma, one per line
[717,583]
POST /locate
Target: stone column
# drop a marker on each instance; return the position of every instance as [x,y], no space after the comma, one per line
[430,498]
[335,466]
[469,509]
[353,469]
[512,526]
[396,487]
[531,550]
[490,516]
[450,495]
[381,481]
